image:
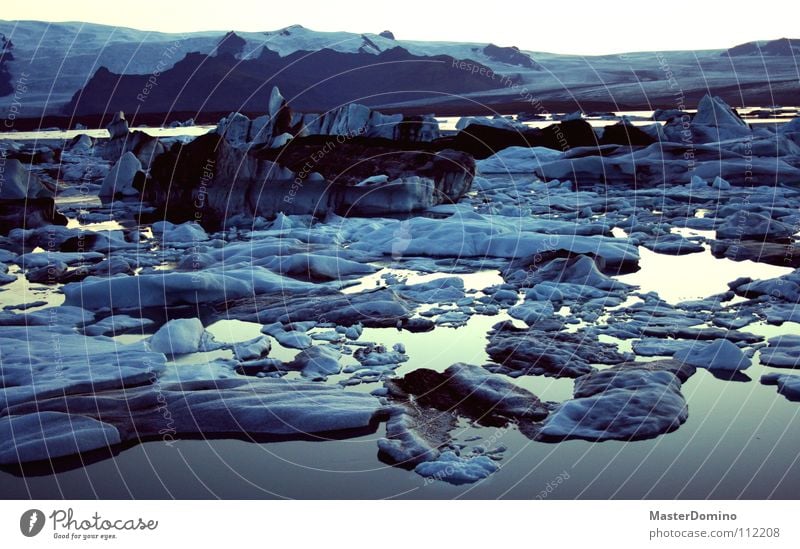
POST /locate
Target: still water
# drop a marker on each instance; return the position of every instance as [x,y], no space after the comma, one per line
[740,440]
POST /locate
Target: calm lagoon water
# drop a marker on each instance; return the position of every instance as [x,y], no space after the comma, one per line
[740,441]
[694,276]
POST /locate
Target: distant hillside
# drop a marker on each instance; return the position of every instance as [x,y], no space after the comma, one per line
[6,56]
[318,80]
[781,47]
[80,72]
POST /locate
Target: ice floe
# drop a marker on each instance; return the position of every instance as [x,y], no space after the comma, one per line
[46,361]
[178,337]
[457,470]
[120,180]
[542,349]
[317,362]
[48,435]
[619,404]
[217,408]
[788,384]
[782,351]
[720,354]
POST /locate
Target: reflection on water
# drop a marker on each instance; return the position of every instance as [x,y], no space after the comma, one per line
[234,331]
[83,200]
[112,225]
[448,123]
[738,442]
[441,347]
[689,233]
[103,133]
[693,276]
[21,291]
[472,281]
[771,330]
[636,118]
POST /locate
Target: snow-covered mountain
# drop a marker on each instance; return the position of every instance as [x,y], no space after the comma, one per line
[78,69]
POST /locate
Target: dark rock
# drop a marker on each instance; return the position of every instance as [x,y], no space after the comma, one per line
[25,200]
[414,435]
[510,56]
[470,391]
[29,214]
[483,141]
[144,146]
[416,128]
[118,127]
[527,116]
[625,134]
[30,154]
[211,177]
[569,134]
[80,243]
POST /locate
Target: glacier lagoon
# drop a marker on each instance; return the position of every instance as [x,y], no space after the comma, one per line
[452,278]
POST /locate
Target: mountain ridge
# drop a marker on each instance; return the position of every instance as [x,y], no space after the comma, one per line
[62,62]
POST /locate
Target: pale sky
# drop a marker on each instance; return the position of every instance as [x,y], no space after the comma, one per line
[559,26]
